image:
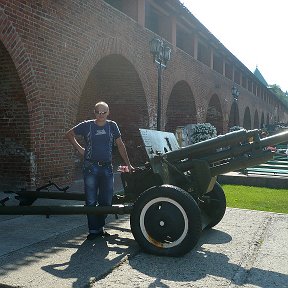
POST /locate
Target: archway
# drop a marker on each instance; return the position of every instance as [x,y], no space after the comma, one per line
[181,109]
[256,120]
[247,119]
[262,120]
[214,114]
[115,81]
[234,115]
[15,147]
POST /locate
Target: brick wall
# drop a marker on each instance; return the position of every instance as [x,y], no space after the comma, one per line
[60,57]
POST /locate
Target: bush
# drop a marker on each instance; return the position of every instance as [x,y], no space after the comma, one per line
[201,132]
[235,128]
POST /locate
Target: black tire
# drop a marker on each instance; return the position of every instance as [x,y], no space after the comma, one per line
[166,221]
[216,206]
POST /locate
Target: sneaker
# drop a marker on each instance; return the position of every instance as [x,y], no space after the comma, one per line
[105,234]
[92,236]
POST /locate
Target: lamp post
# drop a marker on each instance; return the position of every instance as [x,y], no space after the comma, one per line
[235,93]
[161,55]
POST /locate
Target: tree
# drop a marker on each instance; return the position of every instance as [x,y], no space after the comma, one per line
[276,90]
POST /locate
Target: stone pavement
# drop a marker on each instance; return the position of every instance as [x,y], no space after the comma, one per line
[246,249]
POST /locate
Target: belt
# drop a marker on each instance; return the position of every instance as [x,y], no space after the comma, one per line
[99,163]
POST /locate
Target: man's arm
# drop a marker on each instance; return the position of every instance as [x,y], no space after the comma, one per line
[123,152]
[70,135]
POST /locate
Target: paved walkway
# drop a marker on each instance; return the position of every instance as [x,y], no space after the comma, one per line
[246,249]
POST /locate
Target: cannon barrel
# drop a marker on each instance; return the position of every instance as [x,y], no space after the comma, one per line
[275,139]
[242,162]
[212,158]
[196,166]
[230,152]
[211,145]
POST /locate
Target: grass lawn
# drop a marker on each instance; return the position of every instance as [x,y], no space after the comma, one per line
[256,198]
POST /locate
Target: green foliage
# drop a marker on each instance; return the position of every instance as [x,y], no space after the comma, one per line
[235,128]
[257,198]
[277,90]
[279,94]
[201,132]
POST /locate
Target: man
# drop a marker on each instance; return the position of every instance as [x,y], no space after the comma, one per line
[99,135]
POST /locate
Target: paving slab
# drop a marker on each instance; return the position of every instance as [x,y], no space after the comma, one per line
[246,249]
[63,258]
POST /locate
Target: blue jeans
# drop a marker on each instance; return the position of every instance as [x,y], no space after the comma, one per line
[98,186]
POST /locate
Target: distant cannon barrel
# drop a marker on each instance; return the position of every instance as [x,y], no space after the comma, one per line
[274,139]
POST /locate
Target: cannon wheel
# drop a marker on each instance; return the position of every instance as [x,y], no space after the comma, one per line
[166,221]
[217,206]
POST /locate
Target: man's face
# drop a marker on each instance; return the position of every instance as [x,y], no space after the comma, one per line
[101,112]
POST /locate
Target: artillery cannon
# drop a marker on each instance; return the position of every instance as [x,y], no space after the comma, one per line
[175,196]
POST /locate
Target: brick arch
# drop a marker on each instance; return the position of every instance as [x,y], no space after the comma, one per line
[214,114]
[175,78]
[17,100]
[101,49]
[115,81]
[262,120]
[247,119]
[14,45]
[256,120]
[181,108]
[267,119]
[234,115]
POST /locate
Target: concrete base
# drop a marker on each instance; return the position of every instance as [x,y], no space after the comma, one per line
[270,181]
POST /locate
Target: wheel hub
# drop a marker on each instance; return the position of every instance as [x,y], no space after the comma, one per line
[163,221]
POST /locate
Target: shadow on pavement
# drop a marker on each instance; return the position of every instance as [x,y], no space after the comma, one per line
[200,263]
[92,260]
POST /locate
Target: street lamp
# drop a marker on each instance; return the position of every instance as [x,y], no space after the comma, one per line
[235,93]
[161,55]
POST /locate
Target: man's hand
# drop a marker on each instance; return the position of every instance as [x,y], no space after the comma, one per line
[130,168]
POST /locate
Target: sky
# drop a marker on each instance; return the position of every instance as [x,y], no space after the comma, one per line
[252,30]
